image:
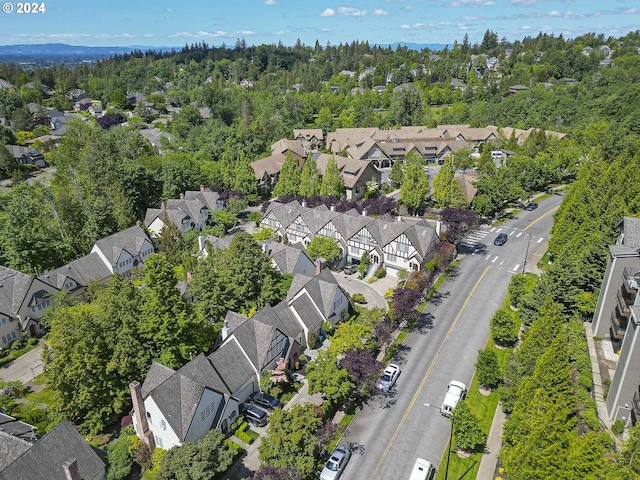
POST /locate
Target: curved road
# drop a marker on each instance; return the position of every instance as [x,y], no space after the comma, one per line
[352,284]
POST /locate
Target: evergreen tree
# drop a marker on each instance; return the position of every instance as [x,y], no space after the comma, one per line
[289,179]
[309,178]
[332,184]
[396,175]
[415,186]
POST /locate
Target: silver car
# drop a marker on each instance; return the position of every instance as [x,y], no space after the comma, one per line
[388,377]
[336,463]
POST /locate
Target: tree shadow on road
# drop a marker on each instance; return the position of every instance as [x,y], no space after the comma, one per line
[438,297]
[424,323]
[402,351]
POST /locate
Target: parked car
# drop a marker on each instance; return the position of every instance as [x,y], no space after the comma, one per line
[265,400]
[255,416]
[336,463]
[350,269]
[455,392]
[501,239]
[388,377]
[532,206]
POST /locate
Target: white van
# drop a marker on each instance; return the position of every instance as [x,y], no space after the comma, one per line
[422,470]
[455,391]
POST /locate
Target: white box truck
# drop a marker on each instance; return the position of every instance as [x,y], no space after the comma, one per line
[422,470]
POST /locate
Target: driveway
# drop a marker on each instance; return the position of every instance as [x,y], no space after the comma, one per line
[352,284]
[25,368]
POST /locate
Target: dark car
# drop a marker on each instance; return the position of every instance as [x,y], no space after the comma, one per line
[531,206]
[501,239]
[265,400]
[255,416]
[349,269]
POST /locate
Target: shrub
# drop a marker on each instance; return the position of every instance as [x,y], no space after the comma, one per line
[32,341]
[431,265]
[311,339]
[119,459]
[372,279]
[358,298]
[617,427]
[381,273]
[503,328]
[328,328]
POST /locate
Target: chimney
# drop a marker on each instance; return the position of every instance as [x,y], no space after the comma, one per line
[202,188]
[265,247]
[364,212]
[224,333]
[318,267]
[182,196]
[438,228]
[71,470]
[201,243]
[163,206]
[140,412]
[333,208]
[399,218]
[138,223]
[189,276]
[304,202]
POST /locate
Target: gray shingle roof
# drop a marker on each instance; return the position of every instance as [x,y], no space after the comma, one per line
[307,311]
[130,239]
[207,197]
[83,271]
[44,460]
[231,364]
[157,374]
[285,257]
[631,226]
[423,237]
[11,447]
[290,324]
[13,289]
[349,224]
[255,338]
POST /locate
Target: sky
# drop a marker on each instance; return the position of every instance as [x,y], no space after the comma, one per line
[156,23]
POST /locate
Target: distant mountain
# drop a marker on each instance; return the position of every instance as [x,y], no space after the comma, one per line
[436,47]
[34,51]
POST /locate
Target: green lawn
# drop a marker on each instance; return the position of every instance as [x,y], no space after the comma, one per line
[44,397]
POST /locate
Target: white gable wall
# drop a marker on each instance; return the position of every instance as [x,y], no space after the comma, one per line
[103,257]
[156,226]
[165,437]
[205,414]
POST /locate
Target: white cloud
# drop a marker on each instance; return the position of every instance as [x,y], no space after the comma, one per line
[148,35]
[329,12]
[405,27]
[555,13]
[351,12]
[271,3]
[408,8]
[168,9]
[281,32]
[471,3]
[526,3]
[472,18]
[380,12]
[216,34]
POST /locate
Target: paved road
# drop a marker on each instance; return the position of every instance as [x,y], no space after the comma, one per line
[394,429]
[24,368]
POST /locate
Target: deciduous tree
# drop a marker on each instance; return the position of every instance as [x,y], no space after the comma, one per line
[323,247]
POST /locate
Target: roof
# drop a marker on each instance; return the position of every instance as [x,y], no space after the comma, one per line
[44,460]
[631,229]
[284,256]
[83,271]
[157,374]
[232,365]
[209,198]
[255,337]
[465,180]
[16,437]
[14,286]
[307,312]
[130,239]
[284,145]
[321,290]
[308,133]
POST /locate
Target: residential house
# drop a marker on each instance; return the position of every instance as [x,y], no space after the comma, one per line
[288,259]
[379,89]
[355,175]
[26,155]
[4,85]
[617,321]
[77,275]
[155,136]
[61,454]
[467,180]
[95,109]
[587,51]
[124,250]
[23,302]
[394,244]
[267,170]
[311,136]
[75,94]
[457,84]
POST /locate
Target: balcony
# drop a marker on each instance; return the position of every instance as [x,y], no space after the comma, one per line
[618,327]
[635,408]
[622,305]
[630,280]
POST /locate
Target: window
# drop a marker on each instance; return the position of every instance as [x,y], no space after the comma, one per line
[149,417]
[8,338]
[158,441]
[403,247]
[391,258]
[163,424]
[3,321]
[355,250]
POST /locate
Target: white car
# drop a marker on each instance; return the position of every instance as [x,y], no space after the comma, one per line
[388,377]
[455,391]
[336,463]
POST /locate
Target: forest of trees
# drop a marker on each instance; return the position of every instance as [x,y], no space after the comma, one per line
[106,178]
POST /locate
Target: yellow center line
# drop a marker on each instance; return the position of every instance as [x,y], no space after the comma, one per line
[426,375]
[541,217]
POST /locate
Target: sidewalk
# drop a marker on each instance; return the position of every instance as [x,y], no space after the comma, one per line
[489,462]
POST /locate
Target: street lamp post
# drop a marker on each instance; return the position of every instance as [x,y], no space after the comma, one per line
[524,265]
[446,472]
